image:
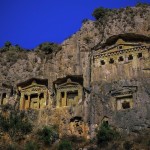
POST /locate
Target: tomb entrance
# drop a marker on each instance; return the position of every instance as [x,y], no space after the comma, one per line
[124,102]
[78,127]
[33,94]
[6,91]
[69,91]
[123,98]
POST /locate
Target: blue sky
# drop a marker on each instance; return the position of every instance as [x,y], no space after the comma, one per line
[31,22]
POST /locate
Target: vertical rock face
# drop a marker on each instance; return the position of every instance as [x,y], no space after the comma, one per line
[74,58]
[76,50]
[119,93]
[100,82]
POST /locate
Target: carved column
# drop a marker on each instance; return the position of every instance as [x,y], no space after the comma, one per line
[45,98]
[135,64]
[29,102]
[22,102]
[57,98]
[65,96]
[1,99]
[39,104]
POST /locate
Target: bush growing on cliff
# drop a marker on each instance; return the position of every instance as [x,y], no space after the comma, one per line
[15,123]
[141,4]
[49,47]
[31,146]
[13,55]
[11,147]
[48,135]
[8,44]
[100,13]
[87,39]
[65,145]
[84,20]
[105,134]
[9,47]
[74,139]
[127,145]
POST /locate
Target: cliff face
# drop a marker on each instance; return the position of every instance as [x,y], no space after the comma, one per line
[74,56]
[75,59]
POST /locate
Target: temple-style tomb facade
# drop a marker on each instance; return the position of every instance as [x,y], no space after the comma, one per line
[6,92]
[69,91]
[120,55]
[33,94]
[111,84]
[123,98]
[120,77]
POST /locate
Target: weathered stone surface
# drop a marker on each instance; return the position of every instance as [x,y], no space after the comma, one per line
[76,58]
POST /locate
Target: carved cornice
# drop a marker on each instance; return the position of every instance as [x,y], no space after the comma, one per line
[68,84]
[68,87]
[36,86]
[118,52]
[124,91]
[34,89]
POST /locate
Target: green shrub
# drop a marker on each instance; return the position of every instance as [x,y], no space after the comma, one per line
[148,142]
[105,134]
[31,146]
[142,4]
[8,44]
[48,135]
[49,47]
[84,20]
[76,139]
[16,124]
[100,13]
[19,123]
[87,39]
[65,145]
[9,47]
[11,56]
[127,145]
[11,147]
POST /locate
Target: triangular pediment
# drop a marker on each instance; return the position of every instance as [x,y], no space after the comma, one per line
[120,41]
[68,84]
[33,85]
[124,91]
[120,45]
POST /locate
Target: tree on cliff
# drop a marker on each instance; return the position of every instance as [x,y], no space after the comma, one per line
[49,47]
[14,123]
[9,47]
[106,134]
[100,13]
[8,44]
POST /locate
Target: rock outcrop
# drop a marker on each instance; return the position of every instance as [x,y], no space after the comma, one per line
[75,58]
